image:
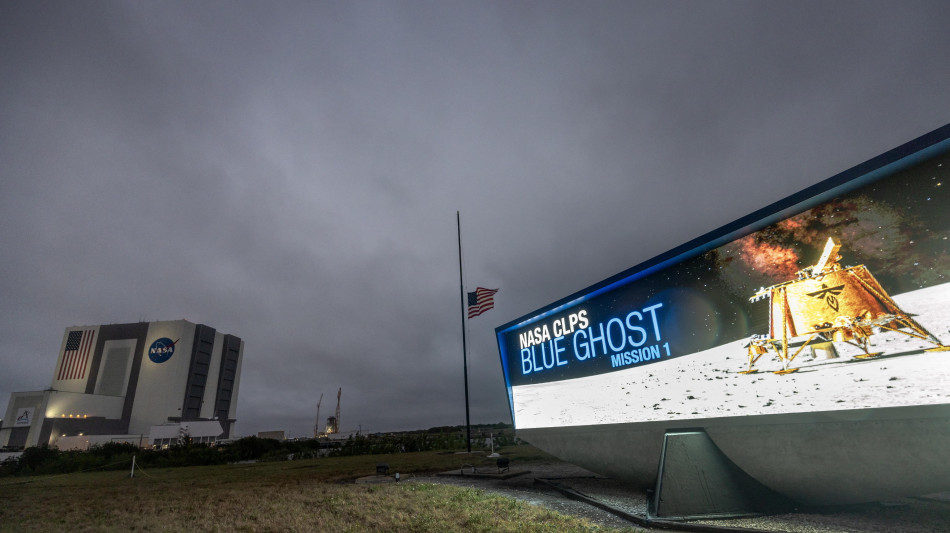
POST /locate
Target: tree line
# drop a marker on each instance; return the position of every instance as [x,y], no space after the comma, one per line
[45,460]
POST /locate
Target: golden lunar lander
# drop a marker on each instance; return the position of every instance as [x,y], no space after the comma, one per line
[828,302]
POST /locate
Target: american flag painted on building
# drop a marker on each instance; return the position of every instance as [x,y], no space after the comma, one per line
[480,301]
[76,355]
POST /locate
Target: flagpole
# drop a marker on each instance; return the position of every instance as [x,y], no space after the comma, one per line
[468,426]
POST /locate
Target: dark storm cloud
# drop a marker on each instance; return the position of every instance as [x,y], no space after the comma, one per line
[290,172]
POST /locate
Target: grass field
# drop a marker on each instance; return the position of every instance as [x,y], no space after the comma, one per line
[307,495]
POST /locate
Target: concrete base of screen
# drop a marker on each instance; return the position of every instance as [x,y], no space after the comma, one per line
[822,458]
[697,480]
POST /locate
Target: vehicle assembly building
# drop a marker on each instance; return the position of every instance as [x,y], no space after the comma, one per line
[124,382]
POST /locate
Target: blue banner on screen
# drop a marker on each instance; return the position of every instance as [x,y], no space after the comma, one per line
[835,298]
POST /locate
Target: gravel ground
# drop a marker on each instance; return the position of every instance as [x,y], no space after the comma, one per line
[525,488]
[929,514]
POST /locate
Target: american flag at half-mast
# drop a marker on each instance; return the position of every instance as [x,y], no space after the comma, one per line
[480,301]
[76,354]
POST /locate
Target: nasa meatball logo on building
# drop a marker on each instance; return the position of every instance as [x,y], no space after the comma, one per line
[162,350]
[24,417]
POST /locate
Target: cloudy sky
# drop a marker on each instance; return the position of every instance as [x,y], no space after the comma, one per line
[290,172]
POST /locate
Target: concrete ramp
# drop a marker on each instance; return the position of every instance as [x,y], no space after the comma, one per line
[696,480]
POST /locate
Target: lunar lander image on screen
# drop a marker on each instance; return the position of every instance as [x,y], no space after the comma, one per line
[828,304]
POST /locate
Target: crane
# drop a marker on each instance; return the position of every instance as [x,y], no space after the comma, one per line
[338,393]
[333,422]
[316,426]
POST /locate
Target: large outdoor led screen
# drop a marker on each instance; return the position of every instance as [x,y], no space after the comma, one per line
[833,299]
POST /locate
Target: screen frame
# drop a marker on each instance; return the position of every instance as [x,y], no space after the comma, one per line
[929,145]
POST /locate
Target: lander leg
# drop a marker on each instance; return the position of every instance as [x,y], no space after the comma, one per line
[918,332]
[784,354]
[865,343]
[755,352]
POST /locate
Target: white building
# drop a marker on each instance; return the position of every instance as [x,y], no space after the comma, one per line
[114,382]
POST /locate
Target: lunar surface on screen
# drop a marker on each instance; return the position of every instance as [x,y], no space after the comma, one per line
[708,384]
